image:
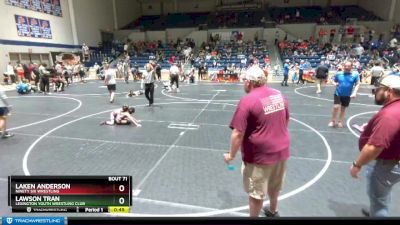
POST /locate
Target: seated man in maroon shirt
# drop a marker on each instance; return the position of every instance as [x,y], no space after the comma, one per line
[380,141]
[260,128]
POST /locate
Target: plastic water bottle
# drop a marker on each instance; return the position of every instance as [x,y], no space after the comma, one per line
[231,167]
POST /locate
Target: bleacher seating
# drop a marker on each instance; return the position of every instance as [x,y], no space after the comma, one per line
[251,18]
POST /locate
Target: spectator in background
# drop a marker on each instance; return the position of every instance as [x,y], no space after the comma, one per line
[85,52]
[350,33]
[377,72]
[393,44]
[276,37]
[27,73]
[286,69]
[260,129]
[302,67]
[44,79]
[341,32]
[321,73]
[371,34]
[332,35]
[298,16]
[20,71]
[362,38]
[10,73]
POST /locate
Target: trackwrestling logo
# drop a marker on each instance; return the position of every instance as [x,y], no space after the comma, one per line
[33,220]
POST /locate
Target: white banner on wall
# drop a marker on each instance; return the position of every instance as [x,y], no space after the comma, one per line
[228,35]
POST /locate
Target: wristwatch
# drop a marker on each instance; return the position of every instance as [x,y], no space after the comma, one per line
[356,165]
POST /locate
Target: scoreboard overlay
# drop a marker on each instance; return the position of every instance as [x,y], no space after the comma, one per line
[75,194]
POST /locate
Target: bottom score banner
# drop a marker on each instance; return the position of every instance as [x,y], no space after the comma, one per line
[72,209]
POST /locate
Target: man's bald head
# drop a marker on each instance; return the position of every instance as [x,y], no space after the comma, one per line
[348,66]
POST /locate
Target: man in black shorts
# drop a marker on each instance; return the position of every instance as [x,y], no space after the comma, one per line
[347,83]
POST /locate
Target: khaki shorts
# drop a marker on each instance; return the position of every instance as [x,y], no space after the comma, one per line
[258,179]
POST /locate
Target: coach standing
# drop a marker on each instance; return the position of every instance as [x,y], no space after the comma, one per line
[347,84]
[148,78]
[260,128]
[380,141]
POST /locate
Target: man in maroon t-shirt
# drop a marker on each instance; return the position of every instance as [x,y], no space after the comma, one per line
[380,141]
[260,128]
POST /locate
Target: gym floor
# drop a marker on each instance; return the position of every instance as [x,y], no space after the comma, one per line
[176,157]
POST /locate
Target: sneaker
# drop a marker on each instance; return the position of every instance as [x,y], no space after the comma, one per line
[340,125]
[268,213]
[7,135]
[103,123]
[365,212]
[177,90]
[331,124]
[319,92]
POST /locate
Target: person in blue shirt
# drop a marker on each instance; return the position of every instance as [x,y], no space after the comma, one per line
[286,68]
[347,83]
[302,67]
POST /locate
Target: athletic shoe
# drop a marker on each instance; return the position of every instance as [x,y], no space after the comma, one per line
[319,92]
[268,213]
[340,125]
[331,124]
[177,90]
[365,212]
[103,123]
[7,135]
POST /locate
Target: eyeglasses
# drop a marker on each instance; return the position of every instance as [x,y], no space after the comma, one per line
[376,89]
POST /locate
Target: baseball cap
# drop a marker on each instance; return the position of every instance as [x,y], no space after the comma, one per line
[254,73]
[391,81]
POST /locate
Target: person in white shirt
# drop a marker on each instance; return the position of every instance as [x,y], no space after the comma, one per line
[4,111]
[58,68]
[44,79]
[393,43]
[110,81]
[377,72]
[174,76]
[148,79]
[10,73]
[96,67]
[126,47]
[85,52]
[362,38]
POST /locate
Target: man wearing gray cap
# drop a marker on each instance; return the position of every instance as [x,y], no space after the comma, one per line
[260,128]
[380,141]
